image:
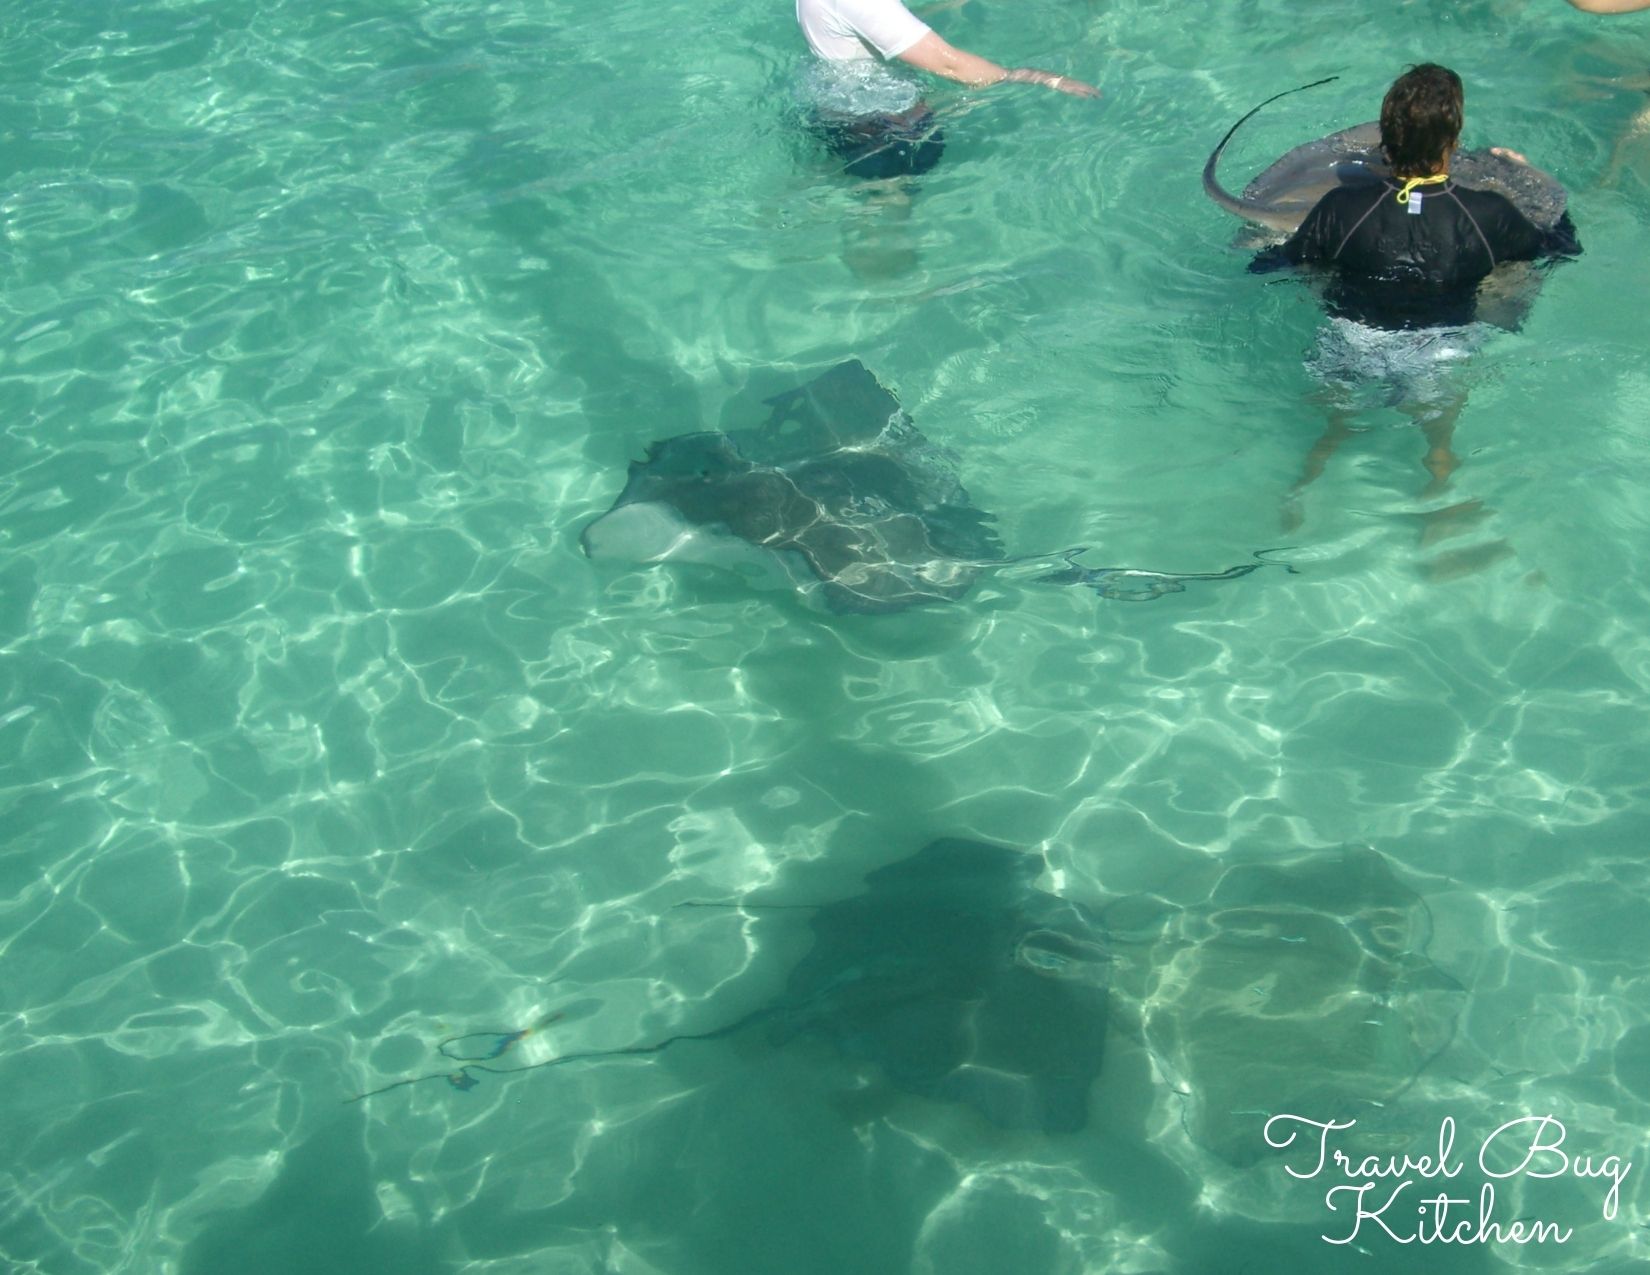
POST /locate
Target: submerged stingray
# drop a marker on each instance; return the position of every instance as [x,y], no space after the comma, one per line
[1281,196]
[1299,987]
[952,977]
[959,980]
[839,495]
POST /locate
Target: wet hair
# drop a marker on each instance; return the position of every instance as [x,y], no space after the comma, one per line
[1421,118]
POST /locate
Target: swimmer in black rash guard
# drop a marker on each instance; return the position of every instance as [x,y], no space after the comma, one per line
[1411,252]
[1406,263]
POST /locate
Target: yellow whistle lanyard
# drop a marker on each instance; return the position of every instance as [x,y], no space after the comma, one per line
[1411,183]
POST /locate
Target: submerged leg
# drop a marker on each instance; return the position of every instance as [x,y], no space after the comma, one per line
[1632,140]
[1336,431]
[1438,425]
[885,150]
[877,240]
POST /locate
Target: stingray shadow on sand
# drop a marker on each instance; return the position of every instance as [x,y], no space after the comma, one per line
[956,978]
[952,977]
[1300,984]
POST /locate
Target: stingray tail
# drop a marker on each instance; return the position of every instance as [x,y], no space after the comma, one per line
[1211,184]
[494,1045]
[742,906]
[1131,584]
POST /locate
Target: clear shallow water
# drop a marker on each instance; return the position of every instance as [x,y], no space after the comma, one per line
[323,334]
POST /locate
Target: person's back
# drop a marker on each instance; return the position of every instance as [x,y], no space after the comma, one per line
[1415,262]
[854,30]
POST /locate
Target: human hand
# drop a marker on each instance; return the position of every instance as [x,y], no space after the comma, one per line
[1077,88]
[1064,83]
[1504,153]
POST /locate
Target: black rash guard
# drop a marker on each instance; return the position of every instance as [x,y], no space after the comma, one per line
[1395,267]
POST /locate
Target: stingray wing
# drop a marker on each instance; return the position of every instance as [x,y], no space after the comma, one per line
[845,407]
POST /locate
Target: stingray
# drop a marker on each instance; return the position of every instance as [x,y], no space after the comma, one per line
[1299,986]
[838,496]
[1281,196]
[957,979]
[952,977]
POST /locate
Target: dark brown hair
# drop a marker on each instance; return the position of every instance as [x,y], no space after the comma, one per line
[1421,118]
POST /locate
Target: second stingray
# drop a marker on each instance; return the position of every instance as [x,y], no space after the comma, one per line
[838,496]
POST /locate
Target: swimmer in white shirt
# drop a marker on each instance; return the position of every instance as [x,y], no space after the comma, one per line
[844,30]
[861,33]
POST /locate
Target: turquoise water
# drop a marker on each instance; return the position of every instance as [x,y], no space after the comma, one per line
[324,330]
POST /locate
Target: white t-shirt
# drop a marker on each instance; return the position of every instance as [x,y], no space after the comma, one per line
[846,30]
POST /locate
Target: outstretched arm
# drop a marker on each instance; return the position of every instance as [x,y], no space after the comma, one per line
[1611,6]
[934,55]
[1559,240]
